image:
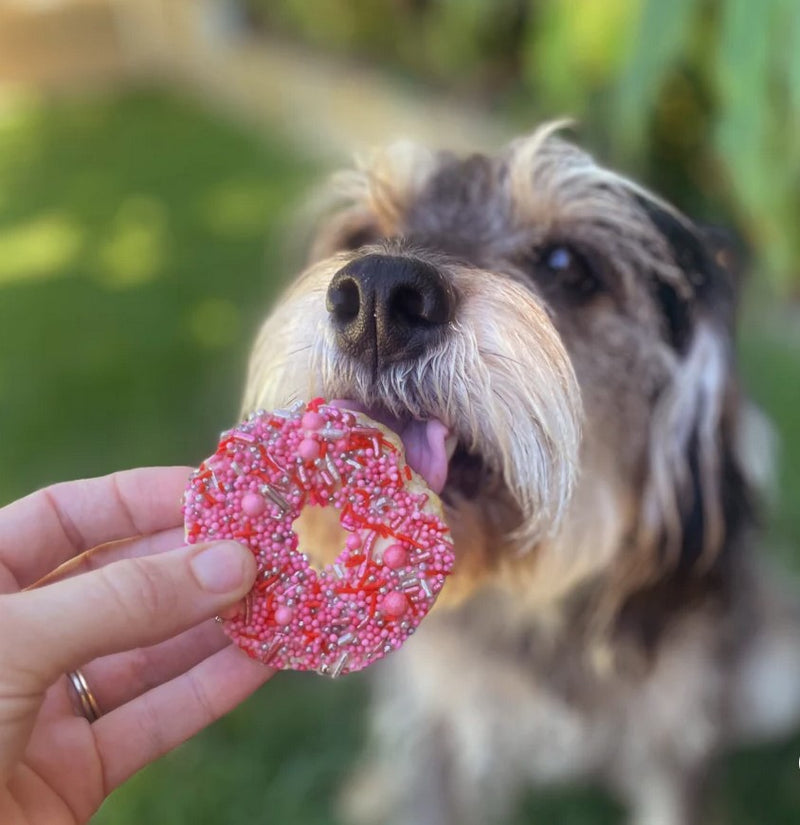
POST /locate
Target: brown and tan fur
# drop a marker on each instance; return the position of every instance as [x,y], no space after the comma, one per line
[609,616]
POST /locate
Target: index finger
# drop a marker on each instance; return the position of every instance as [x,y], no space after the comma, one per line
[44,529]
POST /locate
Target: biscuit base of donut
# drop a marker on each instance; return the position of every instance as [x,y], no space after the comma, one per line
[386,576]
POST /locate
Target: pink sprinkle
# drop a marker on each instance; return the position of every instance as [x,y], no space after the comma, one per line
[353,541]
[253,504]
[308,449]
[394,604]
[395,556]
[284,615]
[312,421]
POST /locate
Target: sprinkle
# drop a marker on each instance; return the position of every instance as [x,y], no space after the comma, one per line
[275,497]
[308,449]
[302,475]
[270,650]
[369,543]
[395,556]
[284,615]
[339,666]
[312,421]
[253,504]
[329,463]
[394,604]
[370,432]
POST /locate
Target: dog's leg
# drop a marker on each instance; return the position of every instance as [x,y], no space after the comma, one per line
[765,688]
[416,770]
[412,781]
[397,785]
[665,797]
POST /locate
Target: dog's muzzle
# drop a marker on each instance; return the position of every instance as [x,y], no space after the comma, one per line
[386,309]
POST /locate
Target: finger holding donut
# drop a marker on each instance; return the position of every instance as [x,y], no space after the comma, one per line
[154,602]
[112,661]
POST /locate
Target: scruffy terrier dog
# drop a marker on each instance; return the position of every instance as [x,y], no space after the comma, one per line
[608,617]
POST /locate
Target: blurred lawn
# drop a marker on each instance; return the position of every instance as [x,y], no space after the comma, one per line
[140,243]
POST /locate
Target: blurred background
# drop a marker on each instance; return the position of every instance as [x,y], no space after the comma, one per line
[153,155]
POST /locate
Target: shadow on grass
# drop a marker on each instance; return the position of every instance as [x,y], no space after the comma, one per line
[139,247]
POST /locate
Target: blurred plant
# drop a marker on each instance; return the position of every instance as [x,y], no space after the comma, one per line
[703,96]
[743,59]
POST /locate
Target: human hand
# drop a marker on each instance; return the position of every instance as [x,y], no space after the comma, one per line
[134,615]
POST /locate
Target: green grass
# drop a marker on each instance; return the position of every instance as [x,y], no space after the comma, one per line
[140,243]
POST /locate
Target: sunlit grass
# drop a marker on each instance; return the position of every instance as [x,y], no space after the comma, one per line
[42,246]
[236,208]
[126,314]
[134,252]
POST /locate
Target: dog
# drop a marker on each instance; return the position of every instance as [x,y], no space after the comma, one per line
[611,615]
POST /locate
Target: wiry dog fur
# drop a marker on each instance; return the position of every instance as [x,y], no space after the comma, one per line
[608,617]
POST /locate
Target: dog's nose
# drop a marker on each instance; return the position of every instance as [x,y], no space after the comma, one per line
[388,305]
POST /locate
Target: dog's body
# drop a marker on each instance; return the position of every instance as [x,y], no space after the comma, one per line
[608,616]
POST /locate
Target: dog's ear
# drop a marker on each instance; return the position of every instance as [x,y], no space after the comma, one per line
[695,495]
[695,500]
[711,265]
[729,251]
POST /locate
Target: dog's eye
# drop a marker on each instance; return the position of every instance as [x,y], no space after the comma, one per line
[358,237]
[560,268]
[560,259]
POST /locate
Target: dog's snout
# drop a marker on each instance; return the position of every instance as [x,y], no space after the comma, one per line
[392,306]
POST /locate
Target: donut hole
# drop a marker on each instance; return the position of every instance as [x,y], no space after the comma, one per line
[320,534]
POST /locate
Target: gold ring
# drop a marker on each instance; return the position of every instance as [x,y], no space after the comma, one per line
[86,705]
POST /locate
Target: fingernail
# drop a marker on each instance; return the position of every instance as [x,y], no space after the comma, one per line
[221,567]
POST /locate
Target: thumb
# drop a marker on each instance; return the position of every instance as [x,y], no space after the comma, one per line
[131,603]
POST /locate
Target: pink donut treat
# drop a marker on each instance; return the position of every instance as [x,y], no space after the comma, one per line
[386,577]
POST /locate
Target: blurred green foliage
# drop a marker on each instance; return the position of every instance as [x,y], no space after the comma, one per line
[140,243]
[700,97]
[136,257]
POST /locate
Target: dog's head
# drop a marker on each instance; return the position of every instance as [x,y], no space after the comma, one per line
[572,333]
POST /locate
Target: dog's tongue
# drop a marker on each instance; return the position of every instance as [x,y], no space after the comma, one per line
[424,441]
